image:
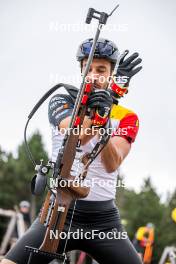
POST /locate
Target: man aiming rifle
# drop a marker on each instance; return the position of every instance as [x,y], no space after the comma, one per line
[97,213]
[87,218]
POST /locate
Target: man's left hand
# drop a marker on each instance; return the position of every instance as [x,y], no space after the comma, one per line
[127,66]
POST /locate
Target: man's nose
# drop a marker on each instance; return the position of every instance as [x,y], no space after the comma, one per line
[92,76]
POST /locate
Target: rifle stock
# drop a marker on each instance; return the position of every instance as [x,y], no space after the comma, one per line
[56,223]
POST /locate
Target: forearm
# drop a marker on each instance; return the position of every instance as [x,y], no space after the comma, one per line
[111,157]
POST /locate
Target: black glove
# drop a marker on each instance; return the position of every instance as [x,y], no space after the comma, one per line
[100,101]
[127,67]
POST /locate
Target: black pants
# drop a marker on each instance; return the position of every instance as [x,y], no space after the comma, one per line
[101,236]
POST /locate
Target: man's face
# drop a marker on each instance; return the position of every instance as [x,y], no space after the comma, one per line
[99,72]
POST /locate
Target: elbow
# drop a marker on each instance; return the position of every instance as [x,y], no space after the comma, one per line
[111,169]
[112,166]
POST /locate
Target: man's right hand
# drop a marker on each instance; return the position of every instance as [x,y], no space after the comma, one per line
[100,102]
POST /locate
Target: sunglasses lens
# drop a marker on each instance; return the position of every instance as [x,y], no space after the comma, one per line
[107,50]
[102,49]
[86,47]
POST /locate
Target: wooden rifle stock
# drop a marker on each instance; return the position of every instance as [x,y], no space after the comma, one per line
[54,213]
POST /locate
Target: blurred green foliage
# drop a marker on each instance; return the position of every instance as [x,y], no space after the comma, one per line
[138,209]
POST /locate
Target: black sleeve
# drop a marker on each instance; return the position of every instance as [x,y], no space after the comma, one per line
[60,107]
